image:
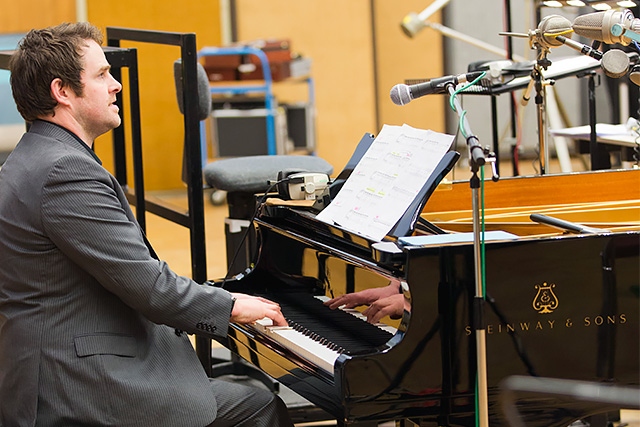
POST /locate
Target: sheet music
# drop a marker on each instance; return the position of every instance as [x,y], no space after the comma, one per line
[386,180]
[453,238]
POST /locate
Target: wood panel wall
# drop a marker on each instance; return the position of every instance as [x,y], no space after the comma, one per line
[401,58]
[162,129]
[162,123]
[359,53]
[21,16]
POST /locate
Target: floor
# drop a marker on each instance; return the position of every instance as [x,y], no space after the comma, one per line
[171,242]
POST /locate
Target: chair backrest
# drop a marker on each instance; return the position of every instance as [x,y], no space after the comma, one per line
[203,95]
[204,100]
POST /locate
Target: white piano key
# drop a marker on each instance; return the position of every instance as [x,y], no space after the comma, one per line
[357,314]
[305,346]
[302,345]
[360,316]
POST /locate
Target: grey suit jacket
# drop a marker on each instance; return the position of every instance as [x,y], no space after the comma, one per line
[87,315]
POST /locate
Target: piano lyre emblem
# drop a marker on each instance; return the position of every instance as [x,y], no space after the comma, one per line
[545,300]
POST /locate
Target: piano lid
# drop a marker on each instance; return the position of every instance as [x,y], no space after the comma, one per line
[598,199]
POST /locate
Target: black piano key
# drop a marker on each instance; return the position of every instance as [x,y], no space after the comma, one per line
[342,331]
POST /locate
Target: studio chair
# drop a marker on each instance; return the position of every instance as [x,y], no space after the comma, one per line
[234,365]
[241,179]
[204,104]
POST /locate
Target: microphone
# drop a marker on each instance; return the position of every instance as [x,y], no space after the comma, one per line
[402,94]
[549,29]
[413,23]
[545,36]
[615,63]
[599,25]
[582,48]
[634,75]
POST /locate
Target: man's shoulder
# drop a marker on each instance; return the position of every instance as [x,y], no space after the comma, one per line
[45,159]
[37,150]
[46,136]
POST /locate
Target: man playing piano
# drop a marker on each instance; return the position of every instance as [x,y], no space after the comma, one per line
[380,302]
[91,322]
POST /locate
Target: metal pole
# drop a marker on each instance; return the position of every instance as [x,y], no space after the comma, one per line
[544,150]
[477,160]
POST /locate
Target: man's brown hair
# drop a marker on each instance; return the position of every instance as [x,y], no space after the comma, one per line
[44,55]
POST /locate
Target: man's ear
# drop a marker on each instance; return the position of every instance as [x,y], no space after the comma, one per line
[59,91]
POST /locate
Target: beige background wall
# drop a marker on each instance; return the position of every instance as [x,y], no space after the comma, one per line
[162,123]
[162,129]
[23,15]
[337,35]
[357,48]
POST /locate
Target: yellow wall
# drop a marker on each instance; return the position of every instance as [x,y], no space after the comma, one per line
[351,91]
[401,58]
[162,128]
[162,125]
[23,15]
[337,36]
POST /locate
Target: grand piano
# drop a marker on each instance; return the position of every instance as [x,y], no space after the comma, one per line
[559,305]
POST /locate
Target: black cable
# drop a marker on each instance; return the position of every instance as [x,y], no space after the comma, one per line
[246,233]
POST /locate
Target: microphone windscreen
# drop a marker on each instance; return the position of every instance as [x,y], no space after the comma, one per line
[204,94]
[400,94]
[589,26]
[598,25]
[552,26]
[411,24]
[615,63]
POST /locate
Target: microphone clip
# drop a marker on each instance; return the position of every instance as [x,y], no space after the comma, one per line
[617,30]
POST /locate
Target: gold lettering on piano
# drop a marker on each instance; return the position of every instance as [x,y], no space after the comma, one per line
[543,326]
[522,326]
[496,329]
[602,320]
[545,300]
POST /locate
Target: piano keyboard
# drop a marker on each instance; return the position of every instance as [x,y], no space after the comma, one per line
[312,350]
[319,334]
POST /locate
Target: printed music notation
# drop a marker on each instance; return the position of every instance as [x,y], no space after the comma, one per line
[386,180]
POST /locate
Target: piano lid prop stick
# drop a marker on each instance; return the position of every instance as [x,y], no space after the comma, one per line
[563,225]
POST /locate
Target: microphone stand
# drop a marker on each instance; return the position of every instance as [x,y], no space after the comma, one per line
[537,81]
[477,159]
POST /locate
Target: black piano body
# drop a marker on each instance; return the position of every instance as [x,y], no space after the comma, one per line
[564,307]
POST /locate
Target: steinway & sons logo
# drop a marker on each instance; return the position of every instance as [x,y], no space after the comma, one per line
[545,301]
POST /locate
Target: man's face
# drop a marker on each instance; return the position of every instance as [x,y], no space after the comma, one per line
[95,110]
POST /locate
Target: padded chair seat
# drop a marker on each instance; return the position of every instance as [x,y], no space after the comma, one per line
[251,174]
